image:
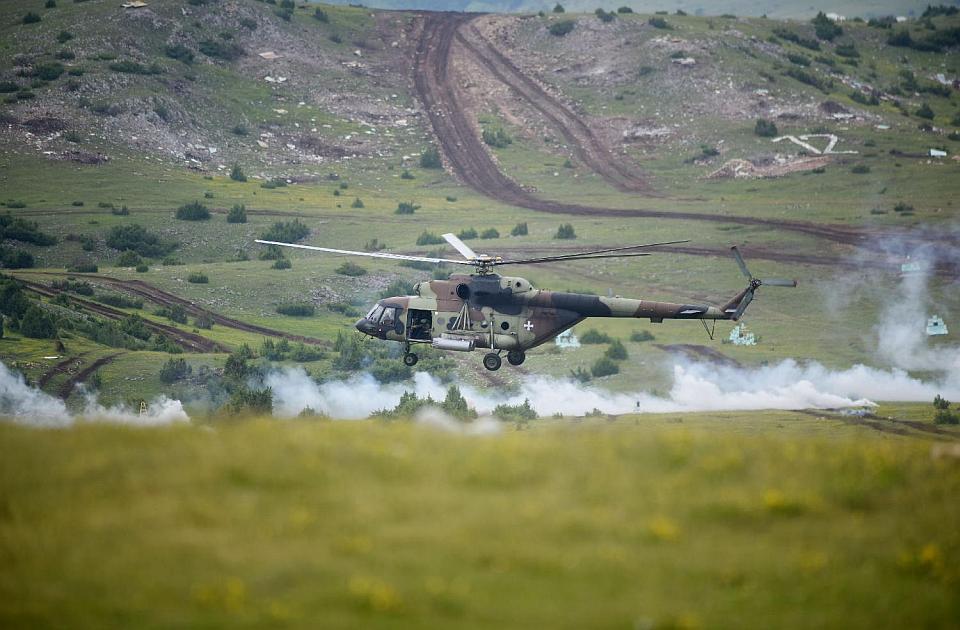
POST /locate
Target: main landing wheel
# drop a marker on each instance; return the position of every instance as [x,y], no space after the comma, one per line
[491,361]
[516,357]
[410,359]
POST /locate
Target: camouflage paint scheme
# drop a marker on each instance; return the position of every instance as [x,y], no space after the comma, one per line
[507,313]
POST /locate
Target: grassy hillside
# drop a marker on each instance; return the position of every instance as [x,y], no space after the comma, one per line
[745,520]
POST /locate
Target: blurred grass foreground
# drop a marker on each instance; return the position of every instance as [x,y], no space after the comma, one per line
[633,523]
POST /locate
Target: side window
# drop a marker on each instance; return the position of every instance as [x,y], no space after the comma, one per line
[389,316]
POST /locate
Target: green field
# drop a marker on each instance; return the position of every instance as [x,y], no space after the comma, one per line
[746,520]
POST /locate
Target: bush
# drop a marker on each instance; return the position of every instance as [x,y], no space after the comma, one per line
[321,15]
[254,401]
[604,16]
[765,128]
[406,207]
[37,324]
[129,258]
[351,269]
[847,50]
[429,238]
[296,310]
[281,263]
[406,174]
[31,18]
[227,51]
[286,231]
[659,22]
[237,214]
[825,28]
[565,232]
[64,36]
[135,237]
[276,182]
[198,277]
[943,414]
[522,413]
[561,28]
[808,78]
[19,229]
[497,138]
[617,351]
[15,258]
[863,99]
[239,130]
[204,322]
[925,111]
[640,336]
[467,234]
[860,169]
[558,8]
[236,174]
[430,158]
[490,233]
[122,211]
[175,370]
[175,313]
[604,367]
[49,71]
[357,203]
[800,60]
[142,268]
[520,229]
[194,211]
[180,53]
[594,336]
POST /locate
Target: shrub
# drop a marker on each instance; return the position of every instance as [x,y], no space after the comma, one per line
[490,233]
[863,99]
[765,128]
[617,351]
[175,370]
[520,229]
[825,28]
[847,50]
[198,277]
[800,60]
[430,158]
[180,53]
[594,336]
[237,214]
[236,174]
[925,111]
[49,71]
[15,258]
[640,336]
[604,16]
[37,324]
[286,231]
[558,8]
[6,87]
[629,10]
[565,232]
[321,15]
[860,169]
[227,51]
[122,211]
[19,229]
[429,238]
[467,234]
[406,207]
[659,22]
[406,174]
[194,211]
[296,310]
[239,130]
[129,258]
[497,138]
[357,203]
[254,401]
[281,263]
[276,182]
[31,18]
[349,268]
[561,28]
[808,78]
[142,269]
[604,366]
[522,413]
[135,237]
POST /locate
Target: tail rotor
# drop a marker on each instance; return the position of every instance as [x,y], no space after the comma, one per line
[755,283]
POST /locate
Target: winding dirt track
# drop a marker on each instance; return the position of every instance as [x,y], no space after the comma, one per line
[65,389]
[158,296]
[60,368]
[438,90]
[188,341]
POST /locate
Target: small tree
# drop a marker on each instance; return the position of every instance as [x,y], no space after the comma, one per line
[925,111]
[349,268]
[561,28]
[235,367]
[236,174]
[565,232]
[237,214]
[430,158]
[558,8]
[617,351]
[194,211]
[406,207]
[520,229]
[490,233]
[37,324]
[174,370]
[765,128]
[31,18]
[456,405]
[604,366]
[943,414]
[321,16]
[357,203]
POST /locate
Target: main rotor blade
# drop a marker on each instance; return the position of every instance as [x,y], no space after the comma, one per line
[742,265]
[461,247]
[591,253]
[537,261]
[778,282]
[369,254]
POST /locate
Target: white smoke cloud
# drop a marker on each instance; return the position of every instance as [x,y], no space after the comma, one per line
[696,387]
[31,406]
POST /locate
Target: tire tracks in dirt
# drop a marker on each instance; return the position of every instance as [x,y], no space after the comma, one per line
[466,156]
[65,390]
[60,368]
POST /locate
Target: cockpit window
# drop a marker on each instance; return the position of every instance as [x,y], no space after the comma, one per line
[389,316]
[375,313]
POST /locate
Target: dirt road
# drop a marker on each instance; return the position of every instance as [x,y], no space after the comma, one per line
[439,90]
[67,388]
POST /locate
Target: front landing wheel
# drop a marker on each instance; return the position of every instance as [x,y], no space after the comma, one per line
[516,357]
[491,361]
[410,359]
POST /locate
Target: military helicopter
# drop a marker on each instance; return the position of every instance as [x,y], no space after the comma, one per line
[500,313]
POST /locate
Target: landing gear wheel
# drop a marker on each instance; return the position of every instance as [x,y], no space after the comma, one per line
[410,359]
[516,357]
[491,361]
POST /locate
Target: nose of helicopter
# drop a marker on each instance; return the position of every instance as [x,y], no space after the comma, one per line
[366,327]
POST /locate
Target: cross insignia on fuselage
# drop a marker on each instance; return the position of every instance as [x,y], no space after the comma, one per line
[528,325]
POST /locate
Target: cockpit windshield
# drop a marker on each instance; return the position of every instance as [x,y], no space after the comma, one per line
[375,313]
